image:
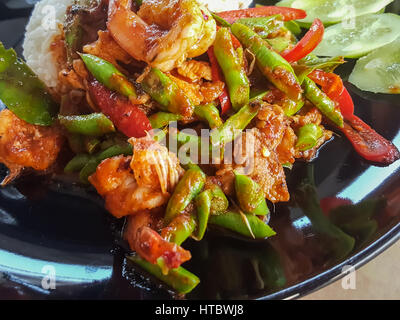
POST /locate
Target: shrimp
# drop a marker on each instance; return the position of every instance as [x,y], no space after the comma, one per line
[26,145]
[150,245]
[142,182]
[163,33]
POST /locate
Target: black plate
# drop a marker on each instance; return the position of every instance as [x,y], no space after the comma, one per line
[65,226]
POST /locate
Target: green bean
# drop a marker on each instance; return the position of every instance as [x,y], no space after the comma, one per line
[263,26]
[162,119]
[113,151]
[219,202]
[94,124]
[92,144]
[235,124]
[179,229]
[187,189]
[107,74]
[322,102]
[77,163]
[293,27]
[291,107]
[203,205]
[250,196]
[167,93]
[308,136]
[179,279]
[23,92]
[221,21]
[247,224]
[210,114]
[234,73]
[275,68]
[279,44]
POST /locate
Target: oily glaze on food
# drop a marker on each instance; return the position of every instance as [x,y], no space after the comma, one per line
[259,97]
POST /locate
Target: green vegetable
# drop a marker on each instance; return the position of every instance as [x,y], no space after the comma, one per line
[293,27]
[308,136]
[91,166]
[245,224]
[179,229]
[77,163]
[179,279]
[291,107]
[368,33]
[325,64]
[219,202]
[275,68]
[263,26]
[22,91]
[187,189]
[234,73]
[235,124]
[167,93]
[334,11]
[322,102]
[92,144]
[279,44]
[250,196]
[107,74]
[203,206]
[379,72]
[210,114]
[94,124]
[162,119]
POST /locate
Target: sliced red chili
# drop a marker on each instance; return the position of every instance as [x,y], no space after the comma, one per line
[368,143]
[307,44]
[217,76]
[333,86]
[265,11]
[127,117]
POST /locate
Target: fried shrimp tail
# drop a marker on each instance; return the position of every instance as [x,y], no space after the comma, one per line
[162,33]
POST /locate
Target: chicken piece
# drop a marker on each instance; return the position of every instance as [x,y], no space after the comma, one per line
[191,90]
[26,145]
[142,182]
[211,90]
[253,157]
[272,122]
[195,70]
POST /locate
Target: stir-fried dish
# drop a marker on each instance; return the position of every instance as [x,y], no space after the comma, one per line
[180,118]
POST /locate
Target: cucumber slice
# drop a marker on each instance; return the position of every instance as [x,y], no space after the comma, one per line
[369,33]
[379,72]
[334,11]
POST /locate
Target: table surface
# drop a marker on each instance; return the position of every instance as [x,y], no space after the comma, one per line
[376,280]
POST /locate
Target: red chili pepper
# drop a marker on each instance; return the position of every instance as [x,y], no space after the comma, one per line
[287,13]
[333,86]
[366,141]
[217,76]
[127,117]
[307,44]
[151,246]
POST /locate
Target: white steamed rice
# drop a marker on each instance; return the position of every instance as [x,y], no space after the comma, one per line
[40,32]
[43,27]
